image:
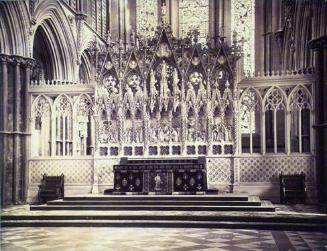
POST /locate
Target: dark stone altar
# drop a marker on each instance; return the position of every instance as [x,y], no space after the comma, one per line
[160,176]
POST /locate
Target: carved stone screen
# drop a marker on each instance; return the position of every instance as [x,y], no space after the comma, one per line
[166,97]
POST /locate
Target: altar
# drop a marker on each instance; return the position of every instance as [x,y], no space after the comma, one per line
[160,176]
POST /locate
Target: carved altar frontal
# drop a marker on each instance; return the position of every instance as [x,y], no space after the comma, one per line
[166,176]
[171,98]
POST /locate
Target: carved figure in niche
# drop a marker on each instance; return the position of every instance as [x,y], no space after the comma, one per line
[139,93]
[164,90]
[158,182]
[101,94]
[191,133]
[129,135]
[113,134]
[201,136]
[109,84]
[190,96]
[227,132]
[217,132]
[166,133]
[153,90]
[103,131]
[161,135]
[176,91]
[201,92]
[139,135]
[174,135]
[153,134]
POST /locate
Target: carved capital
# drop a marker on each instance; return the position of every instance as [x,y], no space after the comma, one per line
[4,59]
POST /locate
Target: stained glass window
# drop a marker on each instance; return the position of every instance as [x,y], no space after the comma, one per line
[194,14]
[243,23]
[147,17]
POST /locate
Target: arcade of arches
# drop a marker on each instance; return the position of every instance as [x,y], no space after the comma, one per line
[85,83]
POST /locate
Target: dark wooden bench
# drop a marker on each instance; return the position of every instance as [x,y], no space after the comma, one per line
[292,188]
[52,188]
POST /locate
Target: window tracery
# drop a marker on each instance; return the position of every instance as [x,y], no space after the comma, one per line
[243,26]
[41,129]
[250,115]
[84,113]
[64,127]
[147,17]
[275,120]
[194,15]
[300,106]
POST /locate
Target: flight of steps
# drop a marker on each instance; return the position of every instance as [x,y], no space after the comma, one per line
[159,203]
[197,211]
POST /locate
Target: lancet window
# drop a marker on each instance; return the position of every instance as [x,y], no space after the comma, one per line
[300,106]
[275,121]
[63,126]
[41,127]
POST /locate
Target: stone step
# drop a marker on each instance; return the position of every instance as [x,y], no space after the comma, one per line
[159,197]
[265,208]
[166,224]
[155,202]
[170,216]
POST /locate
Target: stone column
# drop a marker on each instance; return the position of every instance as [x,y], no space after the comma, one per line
[319,47]
[92,135]
[17,114]
[27,127]
[3,126]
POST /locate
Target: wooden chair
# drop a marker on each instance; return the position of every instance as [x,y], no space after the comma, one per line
[52,188]
[292,188]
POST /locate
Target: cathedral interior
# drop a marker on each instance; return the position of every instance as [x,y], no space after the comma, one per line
[236,89]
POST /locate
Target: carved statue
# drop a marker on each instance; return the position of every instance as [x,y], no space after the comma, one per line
[174,135]
[164,90]
[176,91]
[161,135]
[129,135]
[158,183]
[139,94]
[217,132]
[139,135]
[201,93]
[153,91]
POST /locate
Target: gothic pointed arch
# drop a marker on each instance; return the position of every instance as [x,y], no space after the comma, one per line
[14,33]
[51,19]
[85,68]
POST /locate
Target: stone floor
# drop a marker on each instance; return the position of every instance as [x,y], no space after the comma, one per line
[138,239]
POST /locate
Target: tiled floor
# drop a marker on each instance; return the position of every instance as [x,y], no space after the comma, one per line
[137,239]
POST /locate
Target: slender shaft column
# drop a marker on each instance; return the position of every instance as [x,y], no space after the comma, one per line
[17,109]
[263,132]
[3,126]
[288,132]
[27,125]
